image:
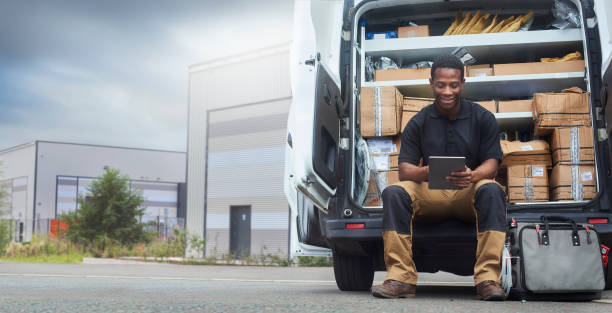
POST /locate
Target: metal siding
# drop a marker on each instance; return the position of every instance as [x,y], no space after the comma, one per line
[89,161]
[18,162]
[270,241]
[217,242]
[244,166]
[274,138]
[265,108]
[261,203]
[196,154]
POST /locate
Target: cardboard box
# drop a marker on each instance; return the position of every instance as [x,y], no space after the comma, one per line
[411,107]
[402,74]
[575,141]
[489,105]
[527,183]
[525,153]
[377,184]
[515,106]
[413,31]
[565,109]
[538,68]
[481,70]
[380,111]
[565,186]
[385,162]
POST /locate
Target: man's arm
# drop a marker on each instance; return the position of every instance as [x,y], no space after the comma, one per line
[486,170]
[408,171]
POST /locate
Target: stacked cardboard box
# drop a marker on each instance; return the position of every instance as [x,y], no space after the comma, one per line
[380,111]
[527,183]
[402,74]
[384,154]
[526,153]
[515,106]
[489,105]
[573,177]
[538,68]
[413,31]
[411,107]
[566,109]
[573,182]
[481,70]
[573,145]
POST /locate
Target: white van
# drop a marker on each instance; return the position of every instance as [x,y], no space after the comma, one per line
[323,140]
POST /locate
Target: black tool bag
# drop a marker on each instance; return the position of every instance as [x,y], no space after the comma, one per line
[555,259]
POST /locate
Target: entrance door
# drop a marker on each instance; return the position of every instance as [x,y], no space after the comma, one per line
[240,230]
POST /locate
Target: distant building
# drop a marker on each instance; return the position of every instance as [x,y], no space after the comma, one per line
[45,178]
[238,108]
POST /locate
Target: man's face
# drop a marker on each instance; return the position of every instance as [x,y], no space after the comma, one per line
[447,85]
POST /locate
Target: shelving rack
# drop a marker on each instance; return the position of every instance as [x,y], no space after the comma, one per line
[487,47]
[496,48]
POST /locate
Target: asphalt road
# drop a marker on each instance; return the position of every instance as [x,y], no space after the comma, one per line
[180,288]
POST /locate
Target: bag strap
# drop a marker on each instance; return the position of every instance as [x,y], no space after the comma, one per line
[546,219]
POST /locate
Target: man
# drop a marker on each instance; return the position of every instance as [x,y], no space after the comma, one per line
[451,126]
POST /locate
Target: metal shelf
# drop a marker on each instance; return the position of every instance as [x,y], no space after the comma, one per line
[516,120]
[494,86]
[486,48]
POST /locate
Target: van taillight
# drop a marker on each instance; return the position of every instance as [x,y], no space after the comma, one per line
[598,221]
[355,226]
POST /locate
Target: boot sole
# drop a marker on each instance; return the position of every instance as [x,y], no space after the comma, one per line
[493,298]
[384,295]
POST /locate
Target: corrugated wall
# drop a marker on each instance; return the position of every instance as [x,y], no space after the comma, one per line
[245,167]
[261,79]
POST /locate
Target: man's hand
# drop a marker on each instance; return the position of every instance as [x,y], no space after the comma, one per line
[461,179]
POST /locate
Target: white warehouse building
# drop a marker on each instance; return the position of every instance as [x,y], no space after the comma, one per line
[44,179]
[238,108]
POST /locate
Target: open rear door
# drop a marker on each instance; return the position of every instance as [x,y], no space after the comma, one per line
[313,122]
[311,154]
[603,11]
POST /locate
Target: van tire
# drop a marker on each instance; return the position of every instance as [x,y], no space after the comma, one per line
[353,272]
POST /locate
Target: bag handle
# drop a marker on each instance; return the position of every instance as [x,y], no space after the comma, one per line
[546,219]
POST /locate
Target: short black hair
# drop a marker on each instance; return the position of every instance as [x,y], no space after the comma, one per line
[447,61]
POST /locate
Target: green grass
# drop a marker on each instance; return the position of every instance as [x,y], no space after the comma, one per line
[73,258]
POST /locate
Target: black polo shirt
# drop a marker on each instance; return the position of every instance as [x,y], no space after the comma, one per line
[473,133]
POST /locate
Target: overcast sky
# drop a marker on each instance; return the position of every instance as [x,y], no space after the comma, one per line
[116,72]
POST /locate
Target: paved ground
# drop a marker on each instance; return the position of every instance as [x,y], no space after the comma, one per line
[179,288]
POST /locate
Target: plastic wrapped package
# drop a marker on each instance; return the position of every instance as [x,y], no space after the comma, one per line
[369,69]
[382,63]
[363,169]
[566,15]
[464,56]
[385,63]
[421,64]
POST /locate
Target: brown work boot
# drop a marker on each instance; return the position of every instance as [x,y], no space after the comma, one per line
[393,289]
[490,290]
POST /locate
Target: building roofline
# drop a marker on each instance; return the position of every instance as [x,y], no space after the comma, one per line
[18,147]
[240,58]
[85,144]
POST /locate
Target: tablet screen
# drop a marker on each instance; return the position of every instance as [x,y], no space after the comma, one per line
[440,167]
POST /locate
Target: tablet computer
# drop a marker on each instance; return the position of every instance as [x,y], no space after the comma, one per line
[440,167]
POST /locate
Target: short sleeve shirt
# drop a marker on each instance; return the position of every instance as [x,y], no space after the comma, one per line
[473,134]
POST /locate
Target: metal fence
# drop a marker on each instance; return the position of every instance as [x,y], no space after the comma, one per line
[163,227]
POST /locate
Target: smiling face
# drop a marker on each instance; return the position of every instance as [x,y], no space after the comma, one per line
[447,84]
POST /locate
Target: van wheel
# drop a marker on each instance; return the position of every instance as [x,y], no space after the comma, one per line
[353,272]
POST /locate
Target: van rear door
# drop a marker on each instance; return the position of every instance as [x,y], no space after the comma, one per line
[314,120]
[603,9]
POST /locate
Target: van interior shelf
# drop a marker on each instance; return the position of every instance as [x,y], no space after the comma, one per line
[494,86]
[542,43]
